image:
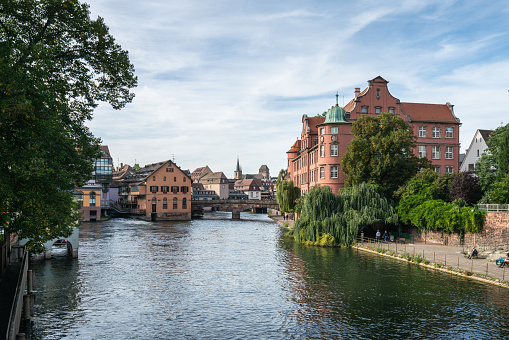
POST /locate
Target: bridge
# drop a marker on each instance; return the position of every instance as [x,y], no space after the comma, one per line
[233,205]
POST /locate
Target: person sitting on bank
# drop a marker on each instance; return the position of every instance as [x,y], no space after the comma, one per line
[472,253]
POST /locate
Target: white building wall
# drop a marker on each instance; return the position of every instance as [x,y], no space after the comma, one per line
[474,152]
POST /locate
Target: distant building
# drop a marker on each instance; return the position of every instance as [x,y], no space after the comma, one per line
[202,194]
[90,197]
[474,152]
[216,181]
[251,187]
[314,159]
[159,191]
[200,172]
[264,172]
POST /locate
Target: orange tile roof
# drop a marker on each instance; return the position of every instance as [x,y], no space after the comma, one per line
[295,147]
[428,112]
[314,121]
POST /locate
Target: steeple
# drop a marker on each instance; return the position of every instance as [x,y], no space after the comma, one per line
[238,170]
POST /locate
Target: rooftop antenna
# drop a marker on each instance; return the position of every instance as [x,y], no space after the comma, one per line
[337,95]
[172,157]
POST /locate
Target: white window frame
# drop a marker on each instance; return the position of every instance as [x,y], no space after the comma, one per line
[449,152]
[391,110]
[423,131]
[449,132]
[378,109]
[322,172]
[422,151]
[435,132]
[334,150]
[435,152]
[334,171]
[437,169]
[322,150]
[364,109]
[322,131]
[333,129]
[449,169]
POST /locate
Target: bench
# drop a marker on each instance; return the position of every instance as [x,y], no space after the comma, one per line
[400,240]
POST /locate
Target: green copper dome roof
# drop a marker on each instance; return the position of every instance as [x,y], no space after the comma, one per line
[336,114]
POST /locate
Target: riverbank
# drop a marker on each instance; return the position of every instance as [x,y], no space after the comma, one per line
[447,259]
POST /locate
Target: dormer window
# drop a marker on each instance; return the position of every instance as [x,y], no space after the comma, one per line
[364,109]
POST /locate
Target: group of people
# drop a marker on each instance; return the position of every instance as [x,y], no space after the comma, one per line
[503,261]
[379,234]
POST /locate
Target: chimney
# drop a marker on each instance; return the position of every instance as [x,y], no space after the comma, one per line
[357,91]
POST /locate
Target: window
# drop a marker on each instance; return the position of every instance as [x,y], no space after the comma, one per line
[437,169]
[377,93]
[334,129]
[449,132]
[334,171]
[164,178]
[322,150]
[184,203]
[471,167]
[322,172]
[92,199]
[364,109]
[322,131]
[175,203]
[448,152]
[169,169]
[184,179]
[185,190]
[435,152]
[153,188]
[391,110]
[174,189]
[423,131]
[333,149]
[422,151]
[165,189]
[378,109]
[315,141]
[174,179]
[477,153]
[153,178]
[436,132]
[449,169]
[165,203]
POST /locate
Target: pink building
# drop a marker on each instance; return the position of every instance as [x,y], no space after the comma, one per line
[315,158]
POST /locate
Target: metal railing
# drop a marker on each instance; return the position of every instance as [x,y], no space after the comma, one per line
[493,207]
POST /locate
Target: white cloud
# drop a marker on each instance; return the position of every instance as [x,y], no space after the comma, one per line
[226,78]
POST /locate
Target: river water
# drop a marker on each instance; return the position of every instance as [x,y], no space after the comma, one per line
[221,279]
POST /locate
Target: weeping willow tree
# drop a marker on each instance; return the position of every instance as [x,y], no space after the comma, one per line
[329,220]
[286,195]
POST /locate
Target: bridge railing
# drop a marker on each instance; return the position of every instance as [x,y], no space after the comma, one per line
[493,207]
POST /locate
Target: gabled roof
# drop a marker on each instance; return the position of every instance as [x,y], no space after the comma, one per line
[486,134]
[429,112]
[142,174]
[295,147]
[213,177]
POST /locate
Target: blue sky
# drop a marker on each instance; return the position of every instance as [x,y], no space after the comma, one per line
[221,79]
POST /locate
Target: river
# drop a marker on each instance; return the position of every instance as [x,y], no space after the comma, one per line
[216,278]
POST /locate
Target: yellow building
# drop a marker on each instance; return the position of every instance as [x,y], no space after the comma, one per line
[90,197]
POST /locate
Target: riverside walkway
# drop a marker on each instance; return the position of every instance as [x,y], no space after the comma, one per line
[450,259]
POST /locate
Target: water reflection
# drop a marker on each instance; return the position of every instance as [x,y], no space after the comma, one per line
[221,279]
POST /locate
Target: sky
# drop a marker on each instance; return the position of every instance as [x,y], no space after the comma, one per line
[224,79]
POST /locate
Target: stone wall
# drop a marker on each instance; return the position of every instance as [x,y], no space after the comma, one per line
[495,233]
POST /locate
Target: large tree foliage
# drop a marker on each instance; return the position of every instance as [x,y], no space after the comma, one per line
[381,153]
[286,195]
[424,204]
[465,186]
[493,166]
[55,65]
[330,219]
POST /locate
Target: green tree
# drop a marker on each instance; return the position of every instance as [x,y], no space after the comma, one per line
[286,195]
[381,153]
[56,64]
[423,203]
[499,193]
[328,219]
[494,163]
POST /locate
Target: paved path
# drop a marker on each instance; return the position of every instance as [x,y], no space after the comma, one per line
[445,256]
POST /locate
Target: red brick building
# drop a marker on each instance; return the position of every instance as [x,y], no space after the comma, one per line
[315,158]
